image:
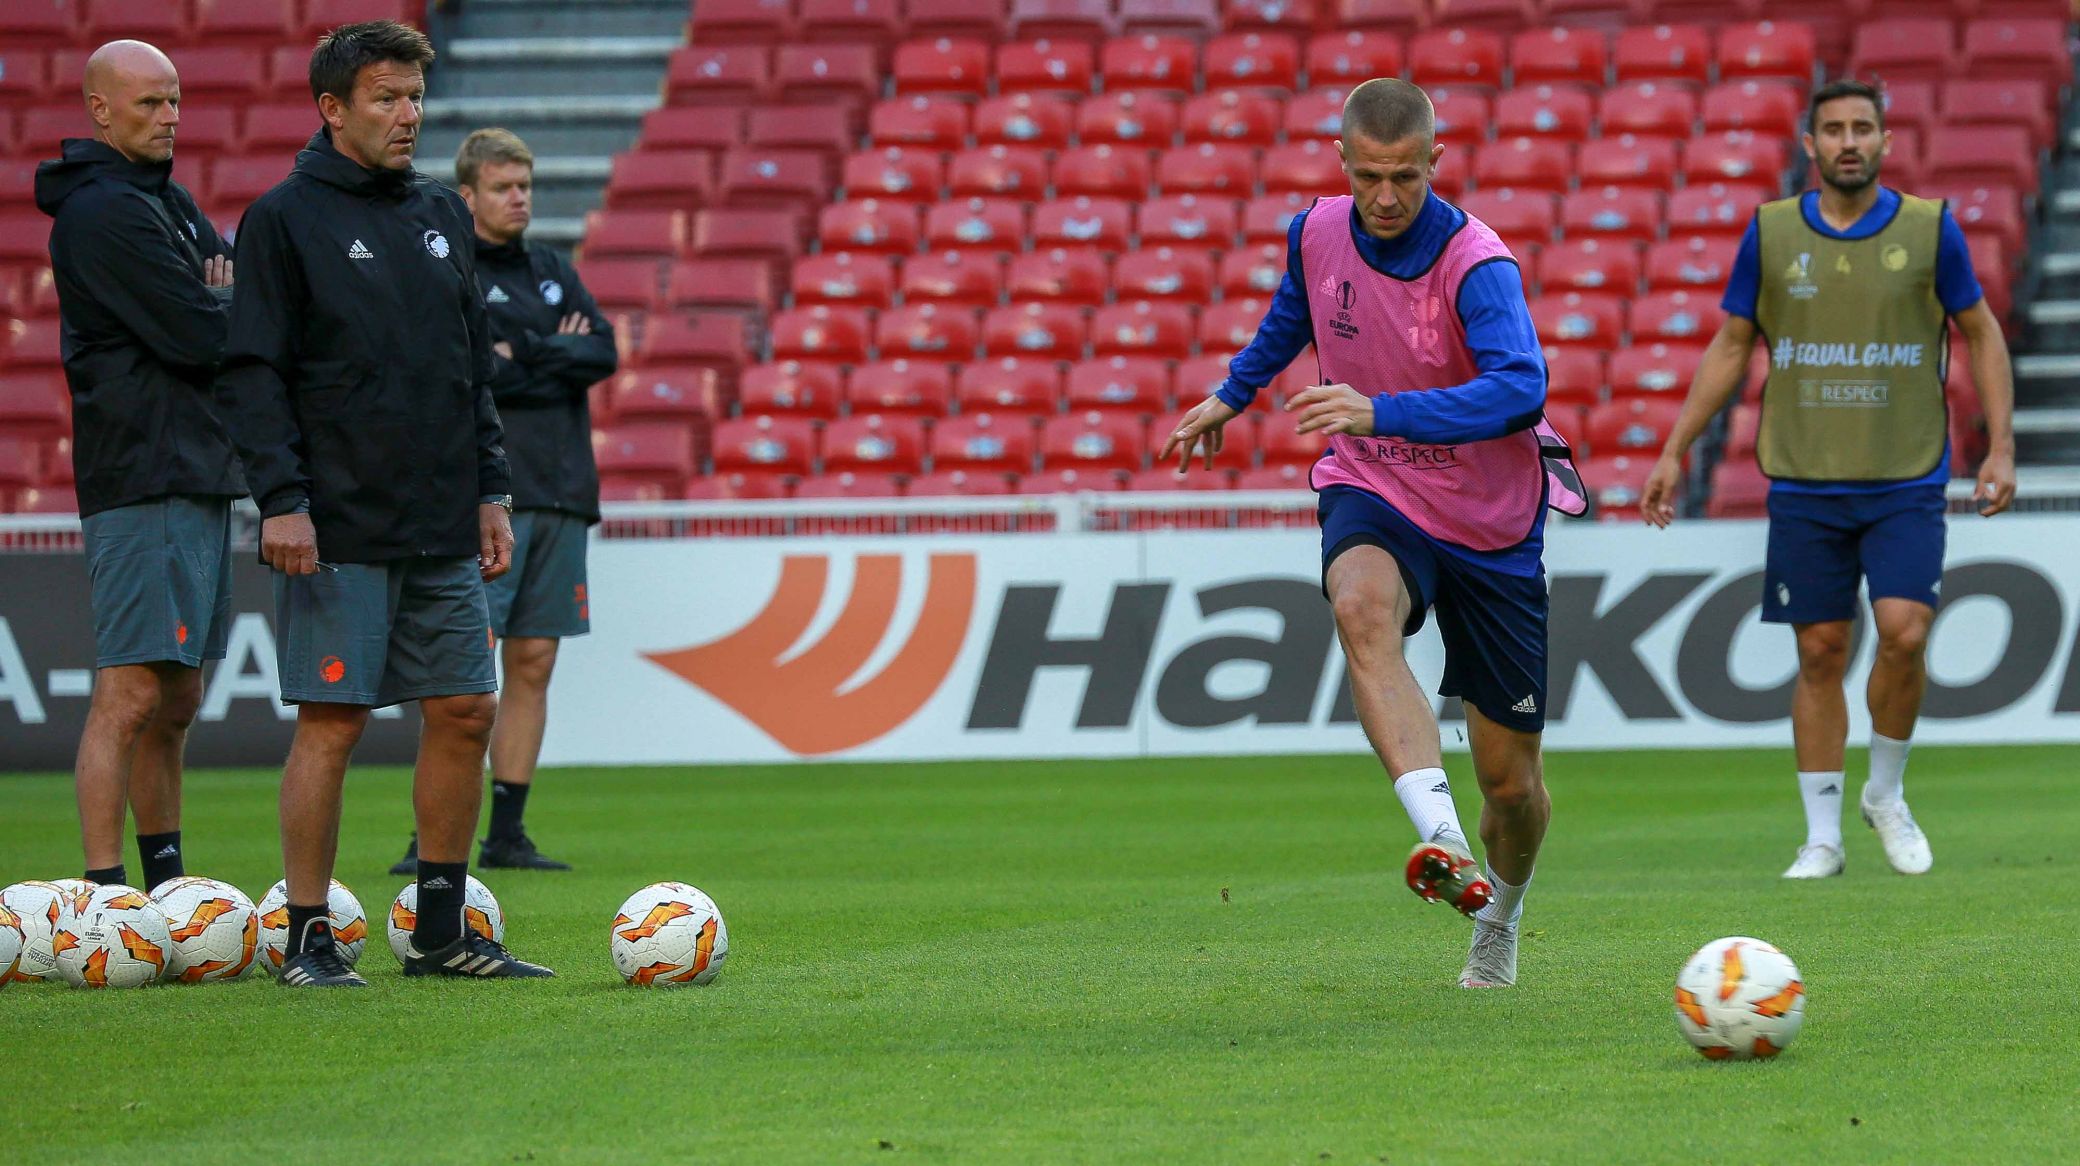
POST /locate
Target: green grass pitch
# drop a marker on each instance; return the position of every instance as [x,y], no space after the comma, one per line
[1200,961]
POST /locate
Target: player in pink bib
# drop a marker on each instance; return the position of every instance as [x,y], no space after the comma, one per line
[1434,484]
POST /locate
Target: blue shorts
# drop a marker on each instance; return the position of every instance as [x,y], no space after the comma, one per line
[159,575]
[1821,546]
[378,634]
[544,594]
[1493,623]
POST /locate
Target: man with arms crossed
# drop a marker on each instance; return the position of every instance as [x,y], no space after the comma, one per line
[358,380]
[1852,288]
[1433,491]
[143,286]
[553,344]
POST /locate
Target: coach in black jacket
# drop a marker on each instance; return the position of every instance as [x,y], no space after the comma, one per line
[143,280]
[358,379]
[552,345]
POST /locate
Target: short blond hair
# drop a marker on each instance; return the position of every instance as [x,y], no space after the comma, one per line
[492,145]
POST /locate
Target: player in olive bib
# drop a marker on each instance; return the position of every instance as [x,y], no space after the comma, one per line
[1852,288]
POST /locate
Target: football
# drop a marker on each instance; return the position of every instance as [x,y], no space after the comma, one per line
[1739,999]
[74,894]
[10,944]
[36,907]
[349,924]
[215,929]
[480,913]
[118,939]
[668,934]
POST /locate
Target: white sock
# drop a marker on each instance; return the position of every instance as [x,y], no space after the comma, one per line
[1508,904]
[1888,769]
[1427,796]
[1823,797]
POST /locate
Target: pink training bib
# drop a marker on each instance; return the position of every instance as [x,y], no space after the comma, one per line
[1383,335]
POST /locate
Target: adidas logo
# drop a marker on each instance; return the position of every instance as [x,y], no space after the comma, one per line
[359,251]
[1528,705]
[167,851]
[497,295]
[1442,787]
[437,883]
[1830,790]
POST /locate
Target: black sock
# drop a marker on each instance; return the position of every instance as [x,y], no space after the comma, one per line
[508,806]
[109,876]
[162,857]
[309,927]
[440,905]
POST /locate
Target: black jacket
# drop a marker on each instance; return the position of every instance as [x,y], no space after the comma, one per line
[542,391]
[357,377]
[141,333]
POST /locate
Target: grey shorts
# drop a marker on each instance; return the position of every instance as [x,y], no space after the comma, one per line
[544,594]
[381,633]
[161,581]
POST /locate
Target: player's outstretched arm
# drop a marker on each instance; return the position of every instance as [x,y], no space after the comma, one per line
[1994,379]
[1718,378]
[1198,432]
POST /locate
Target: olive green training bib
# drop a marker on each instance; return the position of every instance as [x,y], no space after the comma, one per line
[1857,346]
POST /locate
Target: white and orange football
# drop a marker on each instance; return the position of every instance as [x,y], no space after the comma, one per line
[1739,999]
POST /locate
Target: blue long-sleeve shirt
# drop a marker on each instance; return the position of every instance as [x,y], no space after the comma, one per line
[1508,395]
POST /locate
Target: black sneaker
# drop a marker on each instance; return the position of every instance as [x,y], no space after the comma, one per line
[515,853]
[472,955]
[409,864]
[319,967]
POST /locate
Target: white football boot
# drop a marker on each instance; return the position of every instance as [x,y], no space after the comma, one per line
[1492,961]
[1906,847]
[1817,861]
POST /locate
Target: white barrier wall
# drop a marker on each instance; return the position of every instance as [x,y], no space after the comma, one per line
[1220,643]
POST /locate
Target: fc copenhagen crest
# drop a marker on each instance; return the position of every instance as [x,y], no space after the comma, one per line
[1894,258]
[552,292]
[436,244]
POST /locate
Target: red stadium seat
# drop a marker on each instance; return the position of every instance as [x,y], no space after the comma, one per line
[1654,368]
[1294,16]
[983,443]
[774,234]
[1082,222]
[281,127]
[956,67]
[1046,67]
[1403,16]
[1166,480]
[288,67]
[1283,444]
[714,488]
[1572,56]
[1349,58]
[824,332]
[1142,329]
[1911,105]
[1187,221]
[665,394]
[1196,380]
[241,180]
[1739,489]
[1616,484]
[633,233]
[1524,164]
[753,445]
[736,283]
[212,71]
[1136,385]
[260,23]
[1767,107]
[1035,331]
[829,129]
[1985,210]
[1611,211]
[1102,171]
[1009,385]
[1308,168]
[2020,48]
[1069,275]
[1690,264]
[1720,208]
[702,75]
[681,180]
[1585,319]
[953,484]
[1456,56]
[42,291]
[23,76]
[1571,423]
[1167,64]
[206,128]
[1081,20]
[1004,171]
[1229,326]
[1161,273]
[1574,376]
[1643,163]
[1520,217]
[847,484]
[1253,271]
[961,278]
[1252,60]
[826,72]
[1737,156]
[2021,102]
[977,222]
[1316,115]
[764,178]
[927,332]
[1632,425]
[702,339]
[1910,49]
[1237,116]
[1590,265]
[655,451]
[1286,477]
[1648,109]
[1135,119]
[1561,112]
[865,22]
[1743,431]
[44,127]
[870,226]
[1781,50]
[1093,440]
[1463,114]
[1994,155]
[744,22]
[1675,317]
[791,387]
[1207,168]
[319,17]
[24,240]
[1505,15]
[1025,119]
[674,127]
[155,21]
[934,123]
[1266,219]
[1665,52]
[34,401]
[911,388]
[894,174]
[22,463]
[1181,17]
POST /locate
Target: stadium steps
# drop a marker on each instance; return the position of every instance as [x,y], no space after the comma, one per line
[571,77]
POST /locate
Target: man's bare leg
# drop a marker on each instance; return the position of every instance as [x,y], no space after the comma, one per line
[155,774]
[127,699]
[1819,732]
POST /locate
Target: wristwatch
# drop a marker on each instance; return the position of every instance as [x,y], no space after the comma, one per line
[505,500]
